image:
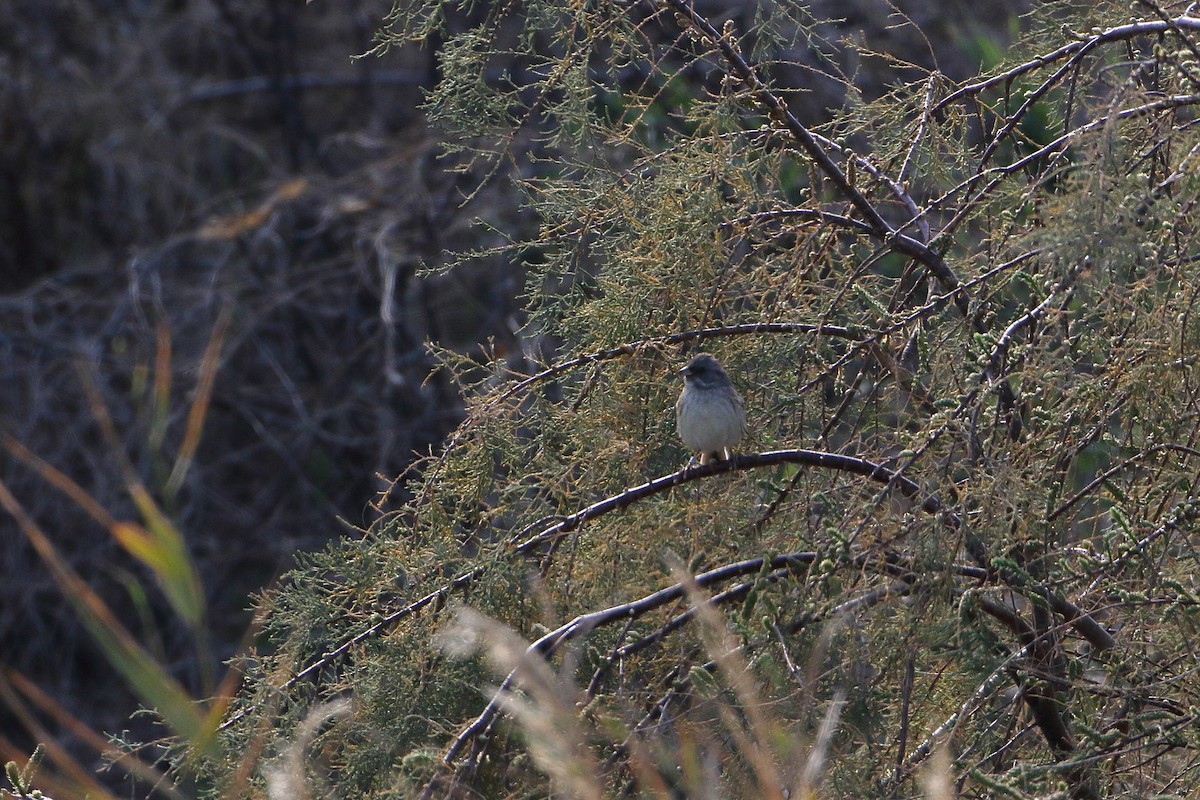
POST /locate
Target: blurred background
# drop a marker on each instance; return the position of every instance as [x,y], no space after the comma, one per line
[220,236]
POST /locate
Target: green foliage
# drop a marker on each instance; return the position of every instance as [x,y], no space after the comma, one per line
[20,778]
[978,535]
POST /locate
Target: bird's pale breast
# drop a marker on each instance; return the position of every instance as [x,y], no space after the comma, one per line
[709,420]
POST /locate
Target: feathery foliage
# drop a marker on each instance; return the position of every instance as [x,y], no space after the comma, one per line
[963,316]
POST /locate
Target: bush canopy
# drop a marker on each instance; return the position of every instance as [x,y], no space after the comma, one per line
[959,541]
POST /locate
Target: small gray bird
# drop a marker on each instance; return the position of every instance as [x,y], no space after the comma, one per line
[709,414]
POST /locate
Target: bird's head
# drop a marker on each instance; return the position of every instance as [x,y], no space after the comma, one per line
[704,372]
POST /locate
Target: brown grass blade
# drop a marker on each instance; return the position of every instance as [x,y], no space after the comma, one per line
[209,365]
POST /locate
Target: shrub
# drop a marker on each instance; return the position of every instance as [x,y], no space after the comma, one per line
[961,316]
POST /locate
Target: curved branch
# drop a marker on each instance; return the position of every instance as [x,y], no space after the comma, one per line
[895,567]
[811,458]
[586,623]
[1118,33]
[930,503]
[568,524]
[683,681]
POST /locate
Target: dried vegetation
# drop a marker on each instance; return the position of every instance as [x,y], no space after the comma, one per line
[960,305]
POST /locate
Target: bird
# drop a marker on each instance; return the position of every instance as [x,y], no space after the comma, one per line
[709,415]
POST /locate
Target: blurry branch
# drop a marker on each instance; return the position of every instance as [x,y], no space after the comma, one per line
[818,754]
[234,226]
[754,739]
[541,700]
[308,80]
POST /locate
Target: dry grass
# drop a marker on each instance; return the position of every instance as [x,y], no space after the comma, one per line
[214,219]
